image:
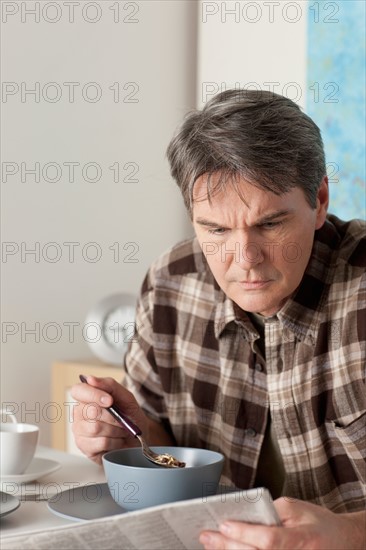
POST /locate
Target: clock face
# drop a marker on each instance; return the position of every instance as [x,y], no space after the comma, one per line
[119,327]
[114,319]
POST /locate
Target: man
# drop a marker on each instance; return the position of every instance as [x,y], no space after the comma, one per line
[251,337]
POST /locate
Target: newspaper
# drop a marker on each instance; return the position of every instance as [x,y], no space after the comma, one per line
[165,527]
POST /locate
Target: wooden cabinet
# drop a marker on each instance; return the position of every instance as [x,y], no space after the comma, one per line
[64,375]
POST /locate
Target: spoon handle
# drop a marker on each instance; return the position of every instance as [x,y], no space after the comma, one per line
[120,416]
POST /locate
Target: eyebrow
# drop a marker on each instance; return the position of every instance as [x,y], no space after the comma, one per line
[267,218]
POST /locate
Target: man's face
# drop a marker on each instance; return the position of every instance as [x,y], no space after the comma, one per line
[257,250]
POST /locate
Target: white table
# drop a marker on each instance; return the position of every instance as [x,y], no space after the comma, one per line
[33,515]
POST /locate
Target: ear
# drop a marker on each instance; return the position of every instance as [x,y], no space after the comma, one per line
[322,202]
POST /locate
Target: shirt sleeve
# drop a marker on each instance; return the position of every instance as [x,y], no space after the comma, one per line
[141,373]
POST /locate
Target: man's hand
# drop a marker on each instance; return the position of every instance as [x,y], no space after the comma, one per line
[305,526]
[96,431]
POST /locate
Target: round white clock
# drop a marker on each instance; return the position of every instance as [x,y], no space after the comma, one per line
[111,326]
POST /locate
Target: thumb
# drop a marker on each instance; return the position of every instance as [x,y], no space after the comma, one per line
[121,397]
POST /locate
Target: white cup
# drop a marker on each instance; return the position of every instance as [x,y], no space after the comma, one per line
[18,444]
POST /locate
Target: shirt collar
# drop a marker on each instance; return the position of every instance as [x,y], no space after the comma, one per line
[228,312]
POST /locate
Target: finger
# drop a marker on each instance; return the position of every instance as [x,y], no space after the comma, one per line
[262,537]
[100,423]
[95,447]
[106,392]
[99,437]
[120,395]
[290,510]
[212,540]
[106,384]
[100,428]
[92,414]
[87,393]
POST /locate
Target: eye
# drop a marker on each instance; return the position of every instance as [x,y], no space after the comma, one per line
[270,225]
[217,231]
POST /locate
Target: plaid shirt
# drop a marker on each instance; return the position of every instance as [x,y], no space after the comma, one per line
[195,366]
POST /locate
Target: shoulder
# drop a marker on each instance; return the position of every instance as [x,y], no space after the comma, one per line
[340,249]
[181,259]
[341,254]
[349,240]
[345,239]
[184,260]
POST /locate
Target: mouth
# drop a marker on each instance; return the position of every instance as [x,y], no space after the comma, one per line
[253,285]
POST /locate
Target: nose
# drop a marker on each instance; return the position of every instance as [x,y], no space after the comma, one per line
[246,252]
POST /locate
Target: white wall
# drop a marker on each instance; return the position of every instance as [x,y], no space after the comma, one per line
[152,54]
[259,45]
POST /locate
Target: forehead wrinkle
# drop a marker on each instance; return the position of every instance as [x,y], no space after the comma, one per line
[213,186]
[239,216]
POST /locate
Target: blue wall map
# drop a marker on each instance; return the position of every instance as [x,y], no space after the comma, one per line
[336,98]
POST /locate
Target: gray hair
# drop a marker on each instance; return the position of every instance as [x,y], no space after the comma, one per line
[257,135]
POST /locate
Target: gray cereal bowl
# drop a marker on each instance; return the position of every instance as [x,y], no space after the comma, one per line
[136,483]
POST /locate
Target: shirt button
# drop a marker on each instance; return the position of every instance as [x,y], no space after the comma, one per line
[251,432]
[259,367]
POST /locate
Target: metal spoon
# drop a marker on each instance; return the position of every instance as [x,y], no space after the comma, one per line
[165,460]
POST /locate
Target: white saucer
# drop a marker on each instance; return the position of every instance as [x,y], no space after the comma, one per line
[93,502]
[38,468]
[85,503]
[8,504]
